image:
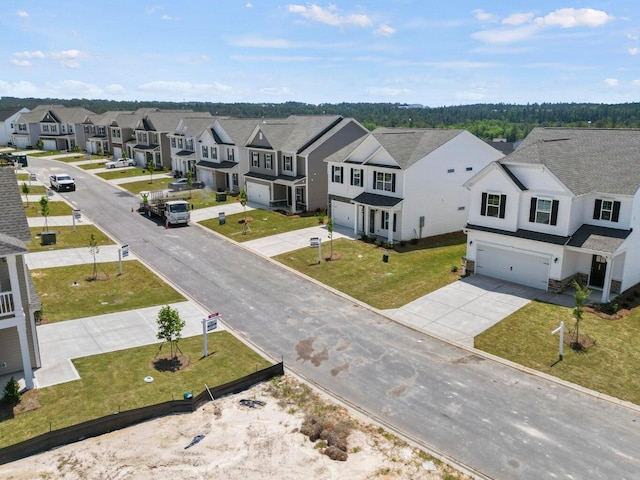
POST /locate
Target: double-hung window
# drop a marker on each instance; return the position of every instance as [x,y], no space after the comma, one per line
[493,205]
[214,153]
[288,163]
[356,177]
[384,181]
[336,174]
[543,210]
[267,161]
[205,151]
[255,159]
[608,210]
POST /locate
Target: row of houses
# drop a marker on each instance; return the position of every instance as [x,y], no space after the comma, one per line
[561,207]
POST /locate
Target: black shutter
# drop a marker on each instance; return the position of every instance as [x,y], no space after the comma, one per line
[361,177]
[616,212]
[393,182]
[341,175]
[503,205]
[352,176]
[532,209]
[394,222]
[374,180]
[333,173]
[554,212]
[483,207]
[596,210]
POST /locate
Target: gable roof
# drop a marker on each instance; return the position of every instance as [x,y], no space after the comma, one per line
[585,160]
[409,145]
[296,132]
[14,228]
[238,129]
[6,113]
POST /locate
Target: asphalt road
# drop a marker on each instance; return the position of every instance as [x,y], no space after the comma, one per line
[495,419]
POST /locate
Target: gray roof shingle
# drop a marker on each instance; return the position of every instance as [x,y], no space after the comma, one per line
[14,228]
[585,159]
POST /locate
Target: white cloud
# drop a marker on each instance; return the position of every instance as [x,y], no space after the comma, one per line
[22,13]
[518,18]
[635,83]
[249,5]
[36,54]
[386,91]
[633,51]
[20,63]
[274,58]
[18,89]
[385,30]
[115,89]
[572,17]
[70,58]
[185,89]
[165,17]
[483,16]
[75,89]
[612,82]
[330,15]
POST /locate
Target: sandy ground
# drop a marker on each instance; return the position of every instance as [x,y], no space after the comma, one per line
[239,443]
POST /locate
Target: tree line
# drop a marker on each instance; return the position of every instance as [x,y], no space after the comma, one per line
[488,120]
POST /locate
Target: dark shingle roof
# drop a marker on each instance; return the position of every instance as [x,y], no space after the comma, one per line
[598,239]
[14,228]
[409,145]
[376,200]
[585,160]
[521,233]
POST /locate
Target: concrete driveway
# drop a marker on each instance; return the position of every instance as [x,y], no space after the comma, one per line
[464,309]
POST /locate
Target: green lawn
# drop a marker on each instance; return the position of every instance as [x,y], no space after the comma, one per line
[361,273]
[22,177]
[128,172]
[56,208]
[45,154]
[92,165]
[33,189]
[67,238]
[137,287]
[610,366]
[160,182]
[114,381]
[260,223]
[207,198]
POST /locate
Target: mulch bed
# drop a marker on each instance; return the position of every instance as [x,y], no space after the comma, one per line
[167,363]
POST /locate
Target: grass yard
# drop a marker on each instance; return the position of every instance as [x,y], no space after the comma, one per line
[137,287]
[609,366]
[130,172]
[202,198]
[67,238]
[361,273]
[45,154]
[261,223]
[160,182]
[92,165]
[114,381]
[34,189]
[56,209]
[22,177]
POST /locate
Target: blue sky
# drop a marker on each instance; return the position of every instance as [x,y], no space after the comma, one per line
[409,51]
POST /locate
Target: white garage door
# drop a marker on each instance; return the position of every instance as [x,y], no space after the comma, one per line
[514,266]
[342,213]
[258,193]
[49,145]
[21,142]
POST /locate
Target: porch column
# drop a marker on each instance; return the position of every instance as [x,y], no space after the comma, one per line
[21,322]
[606,288]
[390,228]
[356,219]
[365,212]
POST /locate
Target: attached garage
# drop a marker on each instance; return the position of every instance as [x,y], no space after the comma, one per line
[342,213]
[513,265]
[21,142]
[49,145]
[258,193]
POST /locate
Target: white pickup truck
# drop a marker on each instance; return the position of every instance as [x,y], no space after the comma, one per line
[62,182]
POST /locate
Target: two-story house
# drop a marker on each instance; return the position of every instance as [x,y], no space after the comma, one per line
[97,130]
[184,143]
[222,158]
[56,126]
[7,119]
[401,184]
[19,351]
[122,134]
[286,159]
[564,206]
[151,135]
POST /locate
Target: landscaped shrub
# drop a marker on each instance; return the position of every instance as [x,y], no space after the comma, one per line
[11,392]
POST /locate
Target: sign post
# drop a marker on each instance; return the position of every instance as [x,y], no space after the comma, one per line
[560,330]
[76,215]
[315,242]
[122,252]
[208,324]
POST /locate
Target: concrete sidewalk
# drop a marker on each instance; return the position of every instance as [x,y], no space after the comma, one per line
[74,256]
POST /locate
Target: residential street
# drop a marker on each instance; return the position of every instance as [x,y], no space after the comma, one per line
[497,420]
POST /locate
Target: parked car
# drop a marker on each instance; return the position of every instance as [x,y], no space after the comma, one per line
[183,184]
[62,181]
[120,162]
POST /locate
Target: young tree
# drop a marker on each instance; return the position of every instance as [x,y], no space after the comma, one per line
[243,201]
[44,209]
[40,145]
[189,181]
[170,327]
[94,250]
[150,168]
[580,297]
[76,148]
[25,190]
[100,152]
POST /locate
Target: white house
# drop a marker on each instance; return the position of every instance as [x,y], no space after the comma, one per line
[402,184]
[563,206]
[7,117]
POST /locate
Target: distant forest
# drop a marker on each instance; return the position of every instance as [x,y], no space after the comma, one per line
[487,121]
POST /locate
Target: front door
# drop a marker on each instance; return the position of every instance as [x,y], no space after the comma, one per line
[598,270]
[372,221]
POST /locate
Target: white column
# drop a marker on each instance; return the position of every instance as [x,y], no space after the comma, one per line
[390,229]
[606,288]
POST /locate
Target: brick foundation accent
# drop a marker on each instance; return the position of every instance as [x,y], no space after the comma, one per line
[616,285]
[471,267]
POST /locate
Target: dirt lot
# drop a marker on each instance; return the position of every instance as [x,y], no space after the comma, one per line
[240,442]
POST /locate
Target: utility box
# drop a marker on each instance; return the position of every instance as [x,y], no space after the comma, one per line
[48,238]
[221,196]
